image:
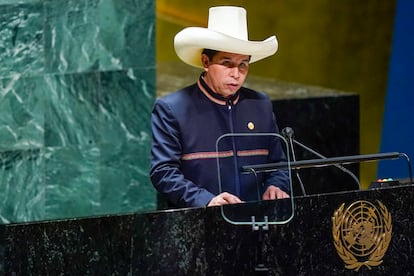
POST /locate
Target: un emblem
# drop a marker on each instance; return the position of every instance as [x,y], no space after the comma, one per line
[361,233]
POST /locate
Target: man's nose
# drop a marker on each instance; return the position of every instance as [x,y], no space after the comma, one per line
[235,72]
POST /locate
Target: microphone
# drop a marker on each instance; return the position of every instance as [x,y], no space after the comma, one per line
[288,133]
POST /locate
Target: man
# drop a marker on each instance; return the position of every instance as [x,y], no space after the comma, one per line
[190,126]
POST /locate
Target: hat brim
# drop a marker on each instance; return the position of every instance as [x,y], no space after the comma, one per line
[190,42]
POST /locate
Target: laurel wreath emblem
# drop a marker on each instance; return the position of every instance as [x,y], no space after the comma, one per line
[381,241]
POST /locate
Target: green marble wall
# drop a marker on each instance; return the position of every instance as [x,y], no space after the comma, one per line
[77,83]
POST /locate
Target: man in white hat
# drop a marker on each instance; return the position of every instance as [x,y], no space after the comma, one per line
[187,124]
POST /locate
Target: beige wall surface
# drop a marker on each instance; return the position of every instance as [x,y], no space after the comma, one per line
[343,45]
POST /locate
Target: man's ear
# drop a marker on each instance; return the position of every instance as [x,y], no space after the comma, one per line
[205,61]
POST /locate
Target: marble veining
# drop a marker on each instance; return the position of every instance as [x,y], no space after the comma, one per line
[77,84]
[21,38]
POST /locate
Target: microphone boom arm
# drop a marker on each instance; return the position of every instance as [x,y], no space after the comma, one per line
[339,166]
[312,163]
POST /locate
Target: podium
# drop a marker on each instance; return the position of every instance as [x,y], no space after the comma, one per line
[198,241]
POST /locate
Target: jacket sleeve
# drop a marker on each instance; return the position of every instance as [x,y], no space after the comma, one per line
[166,152]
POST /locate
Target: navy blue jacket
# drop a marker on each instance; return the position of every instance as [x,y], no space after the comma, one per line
[189,167]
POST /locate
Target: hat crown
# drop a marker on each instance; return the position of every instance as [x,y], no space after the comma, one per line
[228,20]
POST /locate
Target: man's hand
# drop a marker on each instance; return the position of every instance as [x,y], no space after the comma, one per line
[224,198]
[273,192]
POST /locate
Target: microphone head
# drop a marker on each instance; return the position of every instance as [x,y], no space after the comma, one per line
[287,132]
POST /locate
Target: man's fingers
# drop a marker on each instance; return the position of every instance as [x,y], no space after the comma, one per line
[273,192]
[231,199]
[224,198]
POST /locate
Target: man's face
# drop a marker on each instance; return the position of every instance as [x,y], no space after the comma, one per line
[226,72]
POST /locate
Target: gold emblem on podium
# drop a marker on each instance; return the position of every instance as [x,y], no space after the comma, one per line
[361,233]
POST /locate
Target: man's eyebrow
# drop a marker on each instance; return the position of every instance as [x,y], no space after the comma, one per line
[229,58]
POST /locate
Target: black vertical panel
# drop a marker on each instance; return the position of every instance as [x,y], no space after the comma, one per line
[328,125]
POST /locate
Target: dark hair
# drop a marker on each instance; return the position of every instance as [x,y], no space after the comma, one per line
[210,53]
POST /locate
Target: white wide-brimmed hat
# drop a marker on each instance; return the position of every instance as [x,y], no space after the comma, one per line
[227,32]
